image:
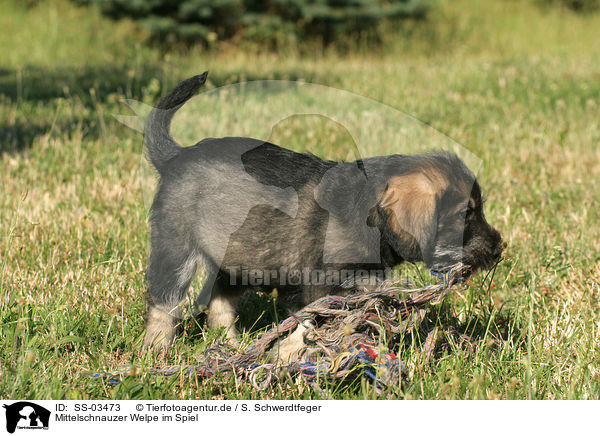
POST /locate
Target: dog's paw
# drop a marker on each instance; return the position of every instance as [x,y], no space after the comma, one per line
[160,330]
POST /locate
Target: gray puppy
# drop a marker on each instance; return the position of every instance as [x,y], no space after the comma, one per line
[246,213]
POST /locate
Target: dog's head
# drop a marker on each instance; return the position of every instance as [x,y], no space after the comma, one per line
[434,213]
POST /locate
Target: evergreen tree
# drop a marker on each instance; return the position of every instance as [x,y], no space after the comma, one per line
[204,20]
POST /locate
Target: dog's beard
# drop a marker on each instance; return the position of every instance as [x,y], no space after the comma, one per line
[446,256]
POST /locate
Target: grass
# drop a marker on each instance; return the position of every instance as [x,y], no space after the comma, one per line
[516,84]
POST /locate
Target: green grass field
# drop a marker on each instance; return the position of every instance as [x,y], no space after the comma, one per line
[516,84]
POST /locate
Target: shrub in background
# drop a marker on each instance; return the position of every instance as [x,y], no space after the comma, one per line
[576,5]
[262,20]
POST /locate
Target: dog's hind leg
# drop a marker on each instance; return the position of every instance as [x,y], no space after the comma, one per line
[160,328]
[221,310]
[169,276]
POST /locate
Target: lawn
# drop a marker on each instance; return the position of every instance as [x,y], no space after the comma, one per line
[515,83]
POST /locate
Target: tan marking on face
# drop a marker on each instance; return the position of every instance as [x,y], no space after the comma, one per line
[436,179]
[411,200]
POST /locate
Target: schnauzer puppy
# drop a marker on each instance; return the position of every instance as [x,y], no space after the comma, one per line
[245,213]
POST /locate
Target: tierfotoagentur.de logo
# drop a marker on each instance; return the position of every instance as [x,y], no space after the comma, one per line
[25,415]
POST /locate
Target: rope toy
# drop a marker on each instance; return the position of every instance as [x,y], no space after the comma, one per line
[345,337]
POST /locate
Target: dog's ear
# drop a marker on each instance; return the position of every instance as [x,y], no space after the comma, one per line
[411,205]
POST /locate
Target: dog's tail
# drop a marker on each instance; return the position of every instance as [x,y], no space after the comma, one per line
[161,146]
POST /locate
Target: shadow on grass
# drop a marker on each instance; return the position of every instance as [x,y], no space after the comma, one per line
[35,92]
[96,84]
[90,85]
[16,135]
[256,311]
[480,328]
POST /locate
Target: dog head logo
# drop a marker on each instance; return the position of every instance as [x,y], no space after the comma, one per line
[26,415]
